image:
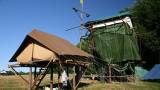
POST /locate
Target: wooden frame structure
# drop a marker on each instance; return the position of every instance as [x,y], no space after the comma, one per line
[44,51]
[35,77]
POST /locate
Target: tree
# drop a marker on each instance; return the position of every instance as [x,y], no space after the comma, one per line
[146,16]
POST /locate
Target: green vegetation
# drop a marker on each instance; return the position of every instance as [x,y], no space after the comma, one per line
[146,18]
[84,45]
[146,21]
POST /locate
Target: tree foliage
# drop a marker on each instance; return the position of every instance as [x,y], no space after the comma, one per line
[84,45]
[146,16]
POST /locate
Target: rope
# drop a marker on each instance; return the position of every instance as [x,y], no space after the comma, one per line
[121,69]
[131,68]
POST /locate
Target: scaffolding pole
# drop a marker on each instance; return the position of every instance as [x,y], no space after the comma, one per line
[30,78]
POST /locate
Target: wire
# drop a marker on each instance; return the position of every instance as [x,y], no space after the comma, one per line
[72,28]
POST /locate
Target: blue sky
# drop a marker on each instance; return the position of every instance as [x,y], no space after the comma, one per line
[19,17]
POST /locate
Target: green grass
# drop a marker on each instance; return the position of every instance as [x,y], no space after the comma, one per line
[15,83]
[137,85]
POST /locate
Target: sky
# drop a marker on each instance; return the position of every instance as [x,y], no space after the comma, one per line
[19,17]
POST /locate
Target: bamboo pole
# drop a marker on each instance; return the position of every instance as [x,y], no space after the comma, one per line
[30,78]
[110,73]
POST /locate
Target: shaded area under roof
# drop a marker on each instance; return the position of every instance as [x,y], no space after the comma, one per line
[51,43]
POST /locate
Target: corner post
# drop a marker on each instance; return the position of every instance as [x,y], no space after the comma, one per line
[30,78]
[110,73]
[51,78]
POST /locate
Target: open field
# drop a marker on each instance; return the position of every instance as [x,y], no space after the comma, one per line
[138,85]
[12,83]
[15,83]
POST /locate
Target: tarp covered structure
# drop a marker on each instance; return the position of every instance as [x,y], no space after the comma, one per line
[116,43]
[40,46]
[153,74]
[114,39]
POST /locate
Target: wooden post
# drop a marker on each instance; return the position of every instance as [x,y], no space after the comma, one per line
[134,78]
[59,74]
[74,78]
[67,70]
[35,72]
[17,74]
[110,73]
[83,70]
[30,78]
[78,74]
[51,79]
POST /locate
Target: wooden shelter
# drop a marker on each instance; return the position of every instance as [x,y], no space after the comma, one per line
[44,51]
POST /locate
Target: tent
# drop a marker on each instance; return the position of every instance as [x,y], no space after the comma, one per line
[46,51]
[153,74]
[114,39]
[40,46]
[140,72]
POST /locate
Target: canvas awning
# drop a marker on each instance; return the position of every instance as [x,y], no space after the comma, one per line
[41,46]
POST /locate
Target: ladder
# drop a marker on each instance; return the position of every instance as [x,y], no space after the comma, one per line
[39,77]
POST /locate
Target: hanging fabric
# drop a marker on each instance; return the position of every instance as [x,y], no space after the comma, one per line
[64,79]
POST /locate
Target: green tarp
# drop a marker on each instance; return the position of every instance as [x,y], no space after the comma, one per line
[140,72]
[116,43]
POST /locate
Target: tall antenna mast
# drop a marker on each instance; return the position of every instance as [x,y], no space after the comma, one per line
[81,22]
[81,15]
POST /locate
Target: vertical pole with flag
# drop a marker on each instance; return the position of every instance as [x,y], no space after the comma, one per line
[81,2]
[81,23]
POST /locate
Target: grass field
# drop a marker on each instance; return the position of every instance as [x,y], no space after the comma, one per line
[15,83]
[137,85]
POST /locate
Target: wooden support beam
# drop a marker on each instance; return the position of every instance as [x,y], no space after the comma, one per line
[35,72]
[59,74]
[51,79]
[17,74]
[41,75]
[74,79]
[77,71]
[67,70]
[89,76]
[30,78]
[83,70]
[39,78]
[110,73]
